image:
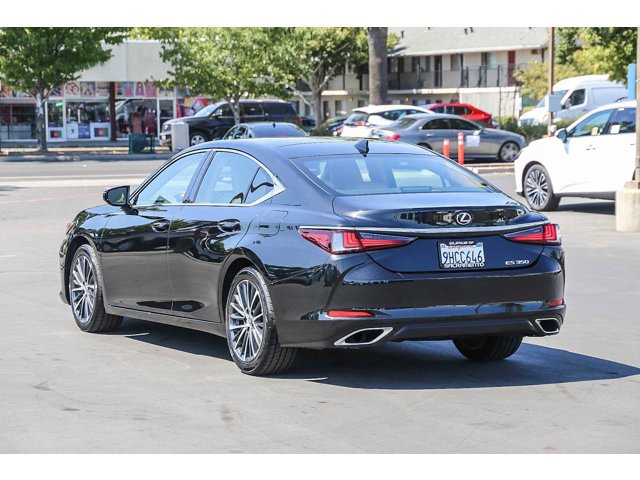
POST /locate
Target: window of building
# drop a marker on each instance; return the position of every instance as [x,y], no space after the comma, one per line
[456,62]
[88,120]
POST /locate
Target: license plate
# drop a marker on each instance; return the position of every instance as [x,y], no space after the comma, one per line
[461,254]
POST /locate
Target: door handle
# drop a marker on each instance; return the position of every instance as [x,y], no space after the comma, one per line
[160,226]
[229,226]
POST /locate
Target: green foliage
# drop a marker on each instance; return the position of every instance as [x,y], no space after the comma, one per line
[320,52]
[37,60]
[534,79]
[618,45]
[530,132]
[568,38]
[227,63]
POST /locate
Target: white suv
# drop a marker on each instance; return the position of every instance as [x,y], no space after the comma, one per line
[592,158]
[363,120]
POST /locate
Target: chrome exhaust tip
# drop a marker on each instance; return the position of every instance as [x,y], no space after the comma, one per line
[364,336]
[549,326]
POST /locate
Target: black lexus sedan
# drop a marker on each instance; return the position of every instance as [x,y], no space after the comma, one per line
[287,243]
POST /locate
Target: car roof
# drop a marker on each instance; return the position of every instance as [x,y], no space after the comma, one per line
[299,147]
[434,115]
[585,81]
[385,108]
[608,106]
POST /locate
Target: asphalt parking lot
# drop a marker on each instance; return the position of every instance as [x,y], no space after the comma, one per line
[155,388]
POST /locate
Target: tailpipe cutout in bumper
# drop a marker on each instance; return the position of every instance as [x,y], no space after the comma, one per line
[549,326]
[364,336]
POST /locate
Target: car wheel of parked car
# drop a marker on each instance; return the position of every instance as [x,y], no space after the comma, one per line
[538,189]
[196,138]
[508,152]
[488,347]
[85,294]
[251,328]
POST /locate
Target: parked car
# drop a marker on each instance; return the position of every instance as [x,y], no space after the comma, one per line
[363,120]
[308,123]
[592,158]
[464,110]
[334,125]
[213,121]
[430,131]
[579,96]
[279,244]
[264,130]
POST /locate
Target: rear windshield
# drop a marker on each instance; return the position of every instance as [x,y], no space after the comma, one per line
[277,130]
[390,173]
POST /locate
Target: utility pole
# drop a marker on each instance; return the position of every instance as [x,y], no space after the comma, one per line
[628,199]
[552,54]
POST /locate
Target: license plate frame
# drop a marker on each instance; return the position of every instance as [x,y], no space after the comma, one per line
[461,254]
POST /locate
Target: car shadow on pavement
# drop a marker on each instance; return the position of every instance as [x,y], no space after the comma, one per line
[403,366]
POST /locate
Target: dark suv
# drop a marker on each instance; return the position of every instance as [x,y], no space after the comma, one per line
[214,120]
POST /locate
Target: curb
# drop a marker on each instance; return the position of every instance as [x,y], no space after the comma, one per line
[480,170]
[86,157]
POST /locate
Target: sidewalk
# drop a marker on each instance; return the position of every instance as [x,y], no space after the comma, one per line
[76,154]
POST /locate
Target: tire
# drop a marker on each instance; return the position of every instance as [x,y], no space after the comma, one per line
[488,348]
[196,138]
[86,294]
[508,152]
[538,190]
[252,336]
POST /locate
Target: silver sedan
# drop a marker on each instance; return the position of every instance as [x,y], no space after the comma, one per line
[430,131]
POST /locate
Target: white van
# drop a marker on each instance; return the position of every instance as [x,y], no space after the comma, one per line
[579,96]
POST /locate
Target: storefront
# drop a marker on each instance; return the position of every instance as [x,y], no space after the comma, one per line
[17,116]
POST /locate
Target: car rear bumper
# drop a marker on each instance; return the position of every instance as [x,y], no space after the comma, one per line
[426,306]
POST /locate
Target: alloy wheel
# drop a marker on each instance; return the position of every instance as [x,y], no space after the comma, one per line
[83,288]
[197,139]
[537,188]
[509,152]
[246,320]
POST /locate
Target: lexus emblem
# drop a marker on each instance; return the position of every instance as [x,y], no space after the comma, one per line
[463,218]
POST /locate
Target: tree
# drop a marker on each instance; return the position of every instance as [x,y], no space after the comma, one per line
[577,61]
[618,45]
[378,83]
[320,52]
[227,63]
[38,60]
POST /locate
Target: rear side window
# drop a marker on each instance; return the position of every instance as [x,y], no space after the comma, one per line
[437,124]
[227,180]
[461,110]
[438,109]
[356,118]
[623,121]
[262,185]
[251,109]
[279,108]
[458,124]
[389,173]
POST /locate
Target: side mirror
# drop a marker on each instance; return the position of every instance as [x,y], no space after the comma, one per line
[117,196]
[562,134]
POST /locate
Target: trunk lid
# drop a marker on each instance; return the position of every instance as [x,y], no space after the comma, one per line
[443,223]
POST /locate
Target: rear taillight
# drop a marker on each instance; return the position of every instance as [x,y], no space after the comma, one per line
[361,124]
[392,136]
[346,241]
[548,234]
[299,120]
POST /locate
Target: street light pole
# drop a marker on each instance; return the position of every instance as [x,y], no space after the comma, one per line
[552,53]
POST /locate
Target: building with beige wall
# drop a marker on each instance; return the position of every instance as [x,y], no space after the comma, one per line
[447,64]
